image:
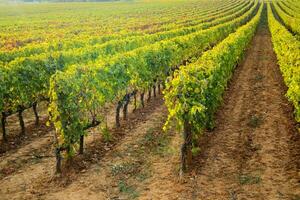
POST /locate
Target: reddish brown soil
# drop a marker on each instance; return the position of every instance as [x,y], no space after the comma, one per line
[28,172]
[253,153]
[32,131]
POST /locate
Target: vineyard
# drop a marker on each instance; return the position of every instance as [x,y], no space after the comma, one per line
[163,99]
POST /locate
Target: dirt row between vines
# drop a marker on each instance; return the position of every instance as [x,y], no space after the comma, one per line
[253,153]
[37,143]
[34,162]
[32,131]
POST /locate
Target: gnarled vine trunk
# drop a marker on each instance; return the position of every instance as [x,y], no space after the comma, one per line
[34,107]
[81,143]
[125,108]
[149,93]
[135,101]
[119,106]
[158,87]
[21,120]
[58,160]
[3,123]
[186,148]
[142,99]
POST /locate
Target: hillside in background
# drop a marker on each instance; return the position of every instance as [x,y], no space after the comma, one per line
[55,1]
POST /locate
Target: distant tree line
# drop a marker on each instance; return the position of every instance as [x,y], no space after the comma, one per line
[68,0]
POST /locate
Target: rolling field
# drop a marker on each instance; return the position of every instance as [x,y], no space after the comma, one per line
[163,99]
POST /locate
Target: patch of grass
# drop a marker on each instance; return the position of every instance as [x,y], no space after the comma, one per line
[143,176]
[196,151]
[127,189]
[124,169]
[259,77]
[161,147]
[263,57]
[255,121]
[154,142]
[149,136]
[248,179]
[107,137]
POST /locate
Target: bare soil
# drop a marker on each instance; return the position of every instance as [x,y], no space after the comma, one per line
[32,131]
[253,153]
[29,172]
